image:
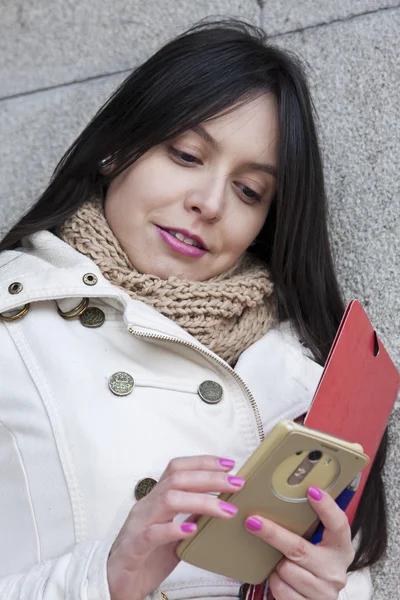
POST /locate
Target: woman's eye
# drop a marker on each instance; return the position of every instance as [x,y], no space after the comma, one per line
[184,156]
[249,193]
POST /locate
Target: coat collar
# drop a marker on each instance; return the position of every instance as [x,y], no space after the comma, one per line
[49,269]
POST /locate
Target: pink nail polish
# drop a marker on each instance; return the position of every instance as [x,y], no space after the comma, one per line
[228,508]
[227,463]
[188,527]
[315,493]
[236,481]
[253,524]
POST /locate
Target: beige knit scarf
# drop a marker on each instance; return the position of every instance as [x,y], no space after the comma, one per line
[226,313]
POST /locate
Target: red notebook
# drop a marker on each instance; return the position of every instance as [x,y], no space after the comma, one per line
[357,389]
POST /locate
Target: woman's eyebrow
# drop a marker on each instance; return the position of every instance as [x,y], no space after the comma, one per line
[199,129]
[264,167]
[252,166]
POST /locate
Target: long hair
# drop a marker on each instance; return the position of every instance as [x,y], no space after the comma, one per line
[204,72]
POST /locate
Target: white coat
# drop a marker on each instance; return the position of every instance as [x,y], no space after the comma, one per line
[72,452]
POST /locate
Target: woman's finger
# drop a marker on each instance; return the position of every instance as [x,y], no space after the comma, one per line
[295,548]
[280,590]
[203,462]
[292,546]
[337,533]
[201,481]
[174,502]
[160,534]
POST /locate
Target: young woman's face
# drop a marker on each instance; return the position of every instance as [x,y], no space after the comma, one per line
[215,183]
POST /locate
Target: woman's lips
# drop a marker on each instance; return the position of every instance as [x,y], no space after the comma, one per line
[179,246]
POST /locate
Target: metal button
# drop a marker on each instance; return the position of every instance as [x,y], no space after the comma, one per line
[144,487]
[163,596]
[92,317]
[15,288]
[121,383]
[90,279]
[210,391]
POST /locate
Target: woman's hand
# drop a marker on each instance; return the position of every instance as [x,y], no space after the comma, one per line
[144,553]
[309,572]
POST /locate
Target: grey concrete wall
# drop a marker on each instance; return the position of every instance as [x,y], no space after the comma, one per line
[61,59]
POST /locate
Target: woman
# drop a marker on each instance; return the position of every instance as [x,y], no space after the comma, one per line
[178,259]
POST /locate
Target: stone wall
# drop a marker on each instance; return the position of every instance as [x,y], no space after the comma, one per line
[61,59]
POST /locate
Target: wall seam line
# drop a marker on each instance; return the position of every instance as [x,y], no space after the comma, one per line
[129,70]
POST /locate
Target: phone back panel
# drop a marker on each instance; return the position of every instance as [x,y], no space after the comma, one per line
[226,547]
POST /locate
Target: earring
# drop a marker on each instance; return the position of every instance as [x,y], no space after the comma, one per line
[105,166]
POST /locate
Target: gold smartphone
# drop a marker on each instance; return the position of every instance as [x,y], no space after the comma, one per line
[278,474]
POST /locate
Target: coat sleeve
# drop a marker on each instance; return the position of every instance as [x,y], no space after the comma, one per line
[79,575]
[359,586]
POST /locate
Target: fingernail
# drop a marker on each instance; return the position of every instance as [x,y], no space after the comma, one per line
[188,527]
[315,493]
[228,508]
[236,481]
[227,463]
[253,524]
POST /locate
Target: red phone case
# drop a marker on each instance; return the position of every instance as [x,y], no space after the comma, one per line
[357,389]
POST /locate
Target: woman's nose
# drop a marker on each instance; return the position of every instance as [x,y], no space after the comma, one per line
[208,199]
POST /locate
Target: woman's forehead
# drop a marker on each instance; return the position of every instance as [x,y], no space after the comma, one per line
[251,127]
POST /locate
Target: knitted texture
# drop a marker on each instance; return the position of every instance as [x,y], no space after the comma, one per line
[226,313]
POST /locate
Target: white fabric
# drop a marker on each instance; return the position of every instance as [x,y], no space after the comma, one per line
[71,452]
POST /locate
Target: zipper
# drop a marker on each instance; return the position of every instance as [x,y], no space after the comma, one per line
[216,359]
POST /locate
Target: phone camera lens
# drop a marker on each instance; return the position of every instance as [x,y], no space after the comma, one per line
[315,456]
